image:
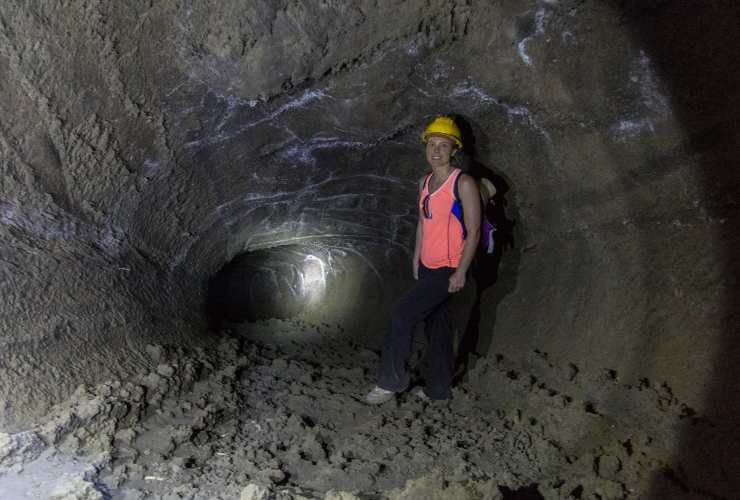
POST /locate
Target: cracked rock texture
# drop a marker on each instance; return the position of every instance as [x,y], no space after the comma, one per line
[272,412]
[146,146]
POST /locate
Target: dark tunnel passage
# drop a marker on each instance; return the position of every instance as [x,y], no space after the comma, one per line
[331,280]
[207,215]
[277,283]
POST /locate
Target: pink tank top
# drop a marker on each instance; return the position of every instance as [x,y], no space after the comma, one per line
[443,242]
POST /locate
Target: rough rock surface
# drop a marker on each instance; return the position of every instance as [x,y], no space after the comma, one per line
[275,412]
[144,146]
[19,447]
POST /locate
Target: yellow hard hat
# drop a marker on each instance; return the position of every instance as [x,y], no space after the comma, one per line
[444,126]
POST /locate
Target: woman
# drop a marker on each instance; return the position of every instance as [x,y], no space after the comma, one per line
[446,239]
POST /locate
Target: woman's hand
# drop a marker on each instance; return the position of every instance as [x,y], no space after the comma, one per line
[457,282]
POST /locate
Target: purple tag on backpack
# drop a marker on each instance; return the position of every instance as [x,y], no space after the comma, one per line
[486,236]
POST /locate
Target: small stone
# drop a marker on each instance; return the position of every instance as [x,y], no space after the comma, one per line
[119,410]
[292,494]
[608,465]
[75,487]
[340,495]
[255,491]
[7,445]
[153,380]
[177,465]
[154,352]
[81,392]
[549,492]
[272,475]
[104,390]
[165,370]
[126,436]
[138,392]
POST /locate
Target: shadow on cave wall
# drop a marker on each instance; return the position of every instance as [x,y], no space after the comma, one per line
[694,45]
[475,340]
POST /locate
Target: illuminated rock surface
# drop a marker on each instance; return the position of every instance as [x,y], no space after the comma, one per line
[162,162]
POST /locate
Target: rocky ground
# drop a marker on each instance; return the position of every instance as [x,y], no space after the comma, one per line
[275,411]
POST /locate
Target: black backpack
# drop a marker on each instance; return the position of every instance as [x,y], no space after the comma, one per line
[487,226]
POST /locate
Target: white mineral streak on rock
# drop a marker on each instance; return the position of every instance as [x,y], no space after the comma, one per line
[624,129]
[653,103]
[303,151]
[300,101]
[49,225]
[524,113]
[652,97]
[470,90]
[250,244]
[12,215]
[233,104]
[540,19]
[250,199]
[342,196]
[236,104]
[365,259]
[177,87]
[238,208]
[150,165]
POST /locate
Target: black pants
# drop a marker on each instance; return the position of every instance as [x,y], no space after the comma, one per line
[427,300]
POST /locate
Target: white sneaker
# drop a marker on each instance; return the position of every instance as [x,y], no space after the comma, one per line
[378,396]
[422,395]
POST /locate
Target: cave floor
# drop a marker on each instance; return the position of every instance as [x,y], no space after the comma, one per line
[275,410]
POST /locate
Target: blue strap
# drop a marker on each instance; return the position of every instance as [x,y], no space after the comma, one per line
[457,209]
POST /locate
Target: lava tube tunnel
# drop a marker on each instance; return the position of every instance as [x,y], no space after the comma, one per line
[208,213]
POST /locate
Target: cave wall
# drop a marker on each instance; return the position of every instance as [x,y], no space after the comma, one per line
[144,146]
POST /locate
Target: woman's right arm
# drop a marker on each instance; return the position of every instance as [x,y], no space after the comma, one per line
[419,234]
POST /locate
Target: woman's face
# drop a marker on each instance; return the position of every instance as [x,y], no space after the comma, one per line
[439,150]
